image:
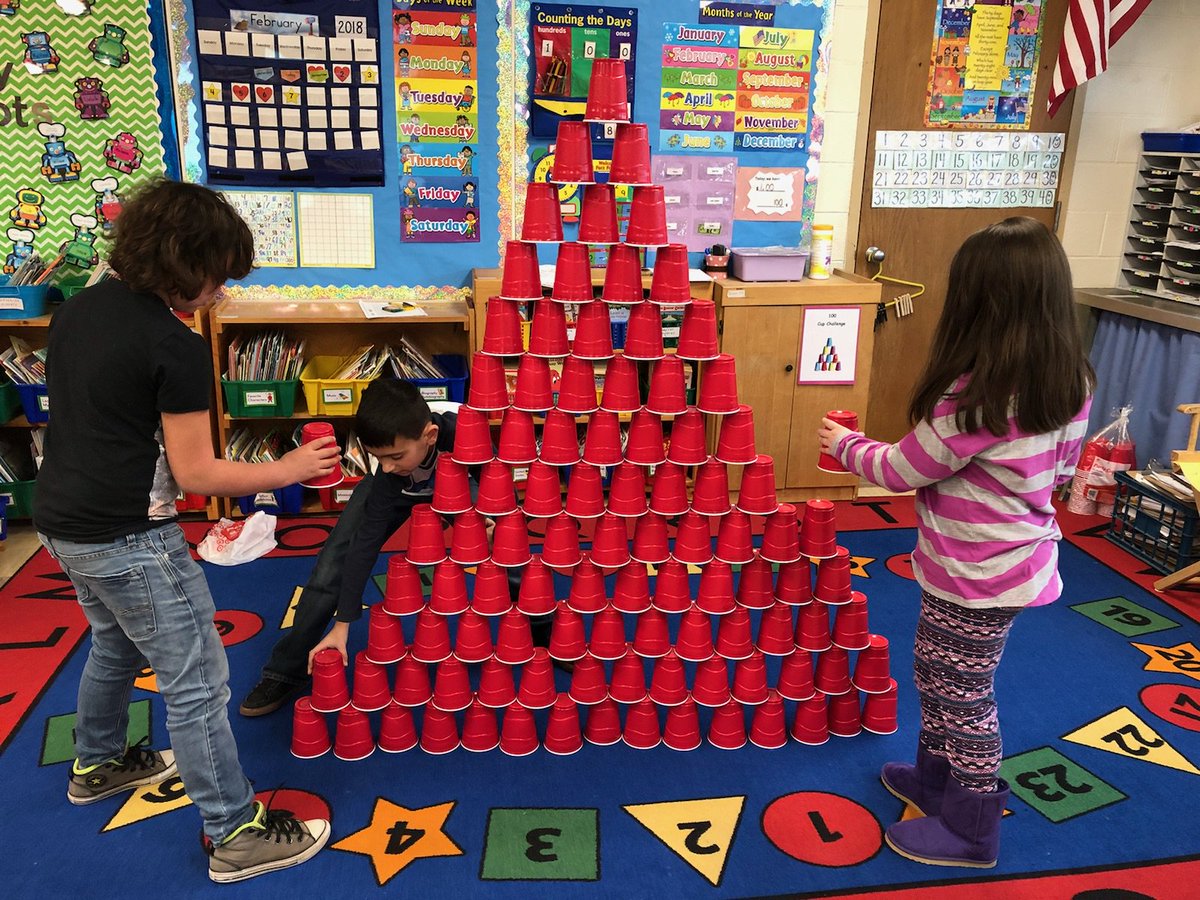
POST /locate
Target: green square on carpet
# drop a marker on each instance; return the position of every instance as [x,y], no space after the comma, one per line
[58,745]
[1124,616]
[1055,786]
[542,845]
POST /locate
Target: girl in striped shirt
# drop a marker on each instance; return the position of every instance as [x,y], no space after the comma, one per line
[999,417]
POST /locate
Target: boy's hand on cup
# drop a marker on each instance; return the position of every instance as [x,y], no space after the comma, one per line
[337,639]
[310,461]
[830,435]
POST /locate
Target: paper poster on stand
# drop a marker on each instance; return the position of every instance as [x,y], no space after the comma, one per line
[828,345]
[769,195]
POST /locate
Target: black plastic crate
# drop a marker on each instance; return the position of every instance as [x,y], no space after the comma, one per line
[1155,527]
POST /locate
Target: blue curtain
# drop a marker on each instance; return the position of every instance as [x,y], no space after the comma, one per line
[1154,367]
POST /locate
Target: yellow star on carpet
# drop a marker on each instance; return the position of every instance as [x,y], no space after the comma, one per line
[397,836]
[858,565]
[1182,659]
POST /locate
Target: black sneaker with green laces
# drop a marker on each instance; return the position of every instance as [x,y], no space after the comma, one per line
[267,696]
[274,839]
[139,766]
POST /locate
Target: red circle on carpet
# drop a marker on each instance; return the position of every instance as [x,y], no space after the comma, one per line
[901,564]
[1175,703]
[236,625]
[822,829]
[301,804]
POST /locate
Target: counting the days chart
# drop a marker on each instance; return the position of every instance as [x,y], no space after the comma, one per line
[965,169]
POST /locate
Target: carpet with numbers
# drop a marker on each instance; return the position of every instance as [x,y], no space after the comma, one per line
[1098,696]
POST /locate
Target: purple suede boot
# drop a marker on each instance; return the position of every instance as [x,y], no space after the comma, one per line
[921,785]
[966,833]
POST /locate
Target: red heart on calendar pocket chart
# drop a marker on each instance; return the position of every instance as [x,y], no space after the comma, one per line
[341,73]
[265,94]
[241,91]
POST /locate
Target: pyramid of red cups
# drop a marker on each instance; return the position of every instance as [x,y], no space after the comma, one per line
[629,681]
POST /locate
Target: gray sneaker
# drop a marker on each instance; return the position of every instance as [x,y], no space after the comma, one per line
[273,839]
[139,766]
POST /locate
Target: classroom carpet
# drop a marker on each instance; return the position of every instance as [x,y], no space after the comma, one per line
[1098,697]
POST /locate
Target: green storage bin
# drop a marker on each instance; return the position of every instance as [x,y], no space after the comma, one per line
[20,494]
[260,399]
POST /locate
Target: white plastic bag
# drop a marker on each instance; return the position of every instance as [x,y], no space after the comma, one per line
[233,543]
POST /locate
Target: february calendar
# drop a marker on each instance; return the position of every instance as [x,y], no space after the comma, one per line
[926,169]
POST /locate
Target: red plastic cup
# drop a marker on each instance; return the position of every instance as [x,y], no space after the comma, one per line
[750,680]
[588,683]
[641,726]
[585,492]
[688,443]
[510,542]
[602,440]
[811,723]
[755,590]
[543,215]
[818,531]
[469,539]
[518,732]
[537,681]
[644,334]
[718,386]
[397,732]
[735,446]
[496,687]
[668,684]
[793,585]
[668,491]
[431,640]
[472,438]
[587,588]
[497,494]
[668,389]
[315,431]
[610,542]
[520,279]
[669,285]
[330,691]
[631,155]
[608,635]
[451,687]
[514,641]
[621,386]
[872,673]
[603,726]
[548,331]
[534,392]
[698,332]
[781,535]
[576,395]
[682,731]
[572,154]
[710,494]
[644,446]
[757,493]
[632,591]
[598,218]
[536,596]
[563,734]
[448,596]
[768,726]
[623,276]
[567,639]
[490,596]
[412,683]
[850,630]
[728,728]
[628,679]
[488,390]
[608,94]
[694,642]
[733,635]
[560,546]
[776,631]
[844,716]
[796,676]
[439,731]
[847,419]
[833,579]
[560,442]
[353,740]
[402,594]
[833,672]
[693,539]
[650,543]
[502,329]
[481,732]
[650,638]
[879,711]
[385,640]
[711,684]
[734,544]
[426,537]
[310,734]
[572,275]
[671,587]
[627,491]
[543,491]
[472,638]
[812,628]
[593,336]
[647,217]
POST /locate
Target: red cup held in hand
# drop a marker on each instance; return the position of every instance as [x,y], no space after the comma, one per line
[315,431]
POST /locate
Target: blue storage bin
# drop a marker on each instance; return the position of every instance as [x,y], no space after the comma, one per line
[618,334]
[24,302]
[1171,142]
[285,501]
[35,401]
[453,387]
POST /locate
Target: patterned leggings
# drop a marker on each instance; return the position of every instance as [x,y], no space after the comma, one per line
[954,663]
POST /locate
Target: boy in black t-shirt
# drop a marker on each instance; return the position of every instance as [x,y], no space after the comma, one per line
[130,385]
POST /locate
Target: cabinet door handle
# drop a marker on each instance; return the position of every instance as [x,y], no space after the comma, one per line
[788,368]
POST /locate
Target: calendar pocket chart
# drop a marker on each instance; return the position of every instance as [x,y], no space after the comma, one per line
[290,93]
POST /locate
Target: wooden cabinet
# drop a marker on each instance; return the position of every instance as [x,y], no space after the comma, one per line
[761,325]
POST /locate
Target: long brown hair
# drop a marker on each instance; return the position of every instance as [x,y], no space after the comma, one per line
[176,239]
[1009,325]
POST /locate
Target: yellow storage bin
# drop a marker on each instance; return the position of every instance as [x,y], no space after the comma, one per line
[328,396]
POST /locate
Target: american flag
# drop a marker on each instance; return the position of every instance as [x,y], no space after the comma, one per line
[1092,27]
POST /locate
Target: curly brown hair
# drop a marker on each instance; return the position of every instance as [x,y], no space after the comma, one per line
[177,240]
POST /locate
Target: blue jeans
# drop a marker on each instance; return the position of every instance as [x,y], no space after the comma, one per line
[147,601]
